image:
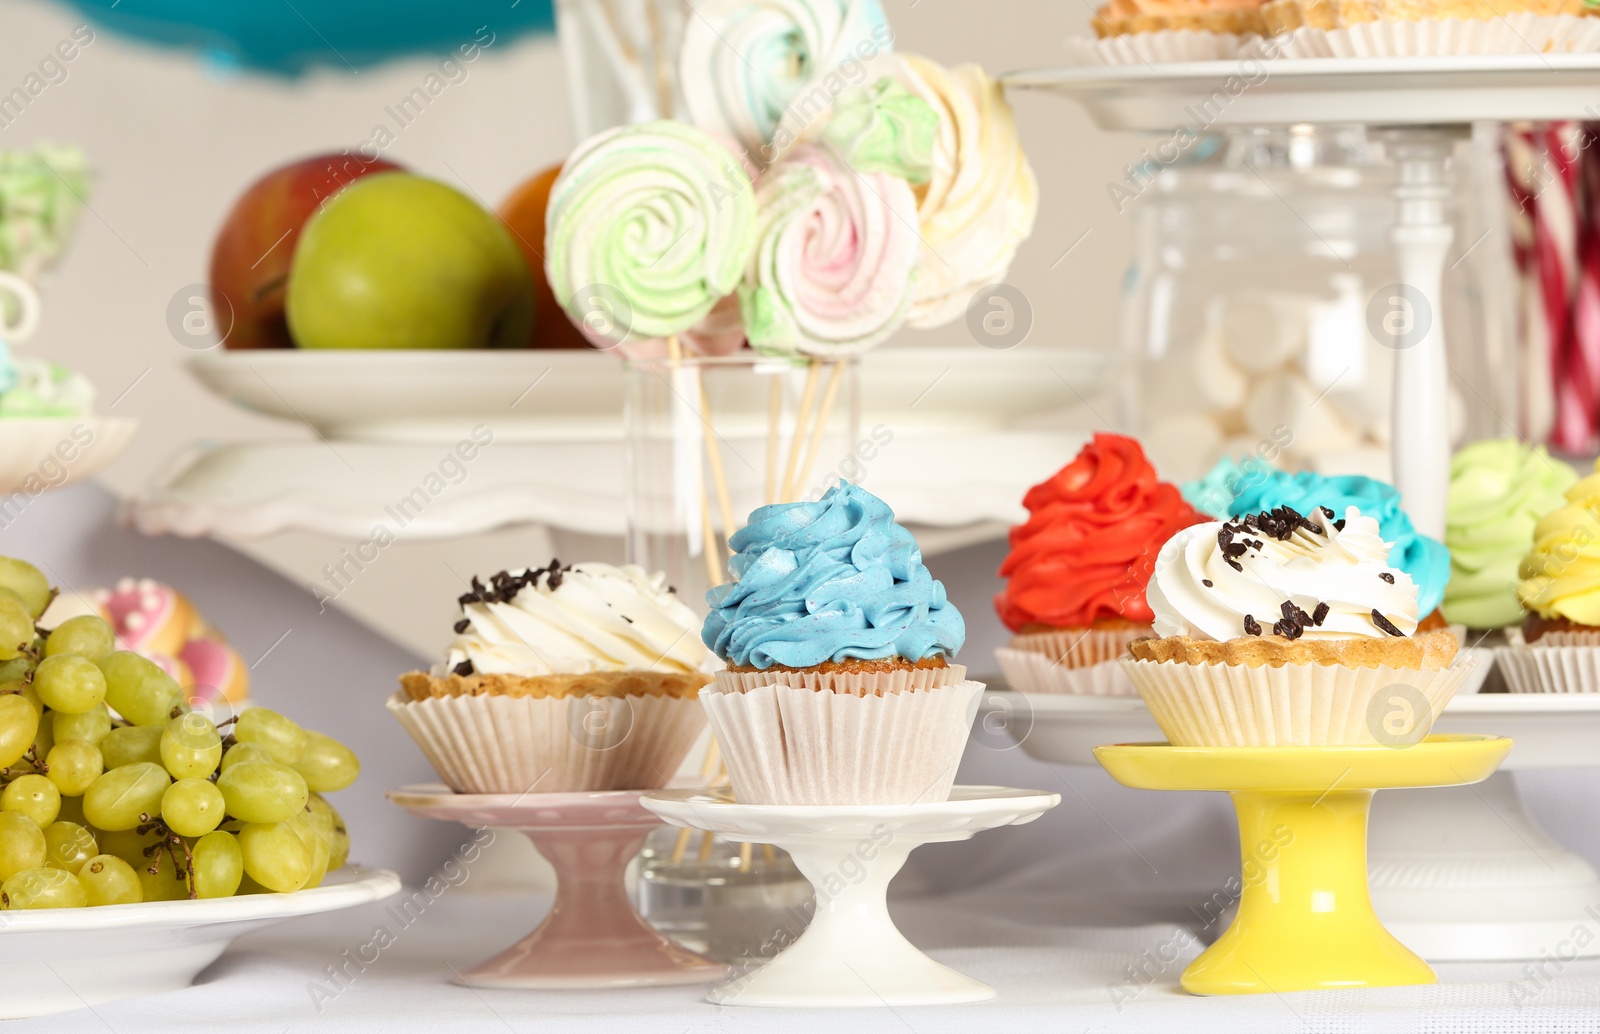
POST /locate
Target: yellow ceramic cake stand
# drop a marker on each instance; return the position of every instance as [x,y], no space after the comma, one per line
[1305,919]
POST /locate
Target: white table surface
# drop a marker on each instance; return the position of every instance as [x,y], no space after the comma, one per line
[1051,976]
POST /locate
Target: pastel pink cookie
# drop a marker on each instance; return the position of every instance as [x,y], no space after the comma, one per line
[148,617]
[218,671]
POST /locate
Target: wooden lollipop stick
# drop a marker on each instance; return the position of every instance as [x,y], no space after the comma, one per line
[709,767]
[714,453]
[746,849]
[801,416]
[774,418]
[835,381]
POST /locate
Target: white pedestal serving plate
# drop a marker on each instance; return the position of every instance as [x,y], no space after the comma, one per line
[1457,873]
[57,960]
[851,955]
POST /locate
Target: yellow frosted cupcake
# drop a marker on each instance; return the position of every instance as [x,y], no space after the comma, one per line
[1557,649]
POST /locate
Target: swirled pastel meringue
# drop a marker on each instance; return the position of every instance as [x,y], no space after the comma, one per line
[1282,574]
[835,254]
[829,581]
[745,63]
[884,128]
[1499,489]
[648,228]
[980,202]
[1425,559]
[42,192]
[572,620]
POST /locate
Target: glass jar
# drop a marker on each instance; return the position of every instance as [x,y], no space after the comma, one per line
[1260,271]
[735,904]
[709,439]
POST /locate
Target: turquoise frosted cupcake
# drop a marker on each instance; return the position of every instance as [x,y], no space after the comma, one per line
[841,686]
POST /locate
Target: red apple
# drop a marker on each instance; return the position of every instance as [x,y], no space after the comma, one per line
[253,251]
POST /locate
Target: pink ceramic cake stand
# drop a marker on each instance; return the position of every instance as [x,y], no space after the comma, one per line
[593,936]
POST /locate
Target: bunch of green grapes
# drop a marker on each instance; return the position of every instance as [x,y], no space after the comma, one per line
[112,790]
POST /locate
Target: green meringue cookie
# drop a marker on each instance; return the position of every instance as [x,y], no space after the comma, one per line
[885,127]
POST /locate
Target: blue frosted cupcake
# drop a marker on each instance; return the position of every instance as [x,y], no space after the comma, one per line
[841,686]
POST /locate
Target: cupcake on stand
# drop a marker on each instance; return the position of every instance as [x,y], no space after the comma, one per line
[1288,670]
[842,717]
[567,692]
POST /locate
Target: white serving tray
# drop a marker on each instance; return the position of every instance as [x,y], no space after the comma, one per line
[1373,91]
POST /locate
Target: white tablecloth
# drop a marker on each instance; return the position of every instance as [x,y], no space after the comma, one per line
[1051,975]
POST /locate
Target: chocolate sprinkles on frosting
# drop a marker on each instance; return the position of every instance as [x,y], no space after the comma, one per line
[1233,541]
[503,587]
[1385,624]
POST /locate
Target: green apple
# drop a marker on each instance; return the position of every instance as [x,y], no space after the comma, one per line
[399,261]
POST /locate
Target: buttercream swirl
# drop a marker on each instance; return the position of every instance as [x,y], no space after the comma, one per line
[828,581]
[1090,541]
[1425,559]
[884,128]
[1221,581]
[980,201]
[1499,489]
[658,215]
[835,254]
[572,620]
[1561,573]
[1212,493]
[744,63]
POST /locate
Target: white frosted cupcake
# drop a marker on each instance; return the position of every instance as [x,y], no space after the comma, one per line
[1286,630]
[562,679]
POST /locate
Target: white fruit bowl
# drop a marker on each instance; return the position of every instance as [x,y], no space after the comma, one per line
[70,958]
[39,454]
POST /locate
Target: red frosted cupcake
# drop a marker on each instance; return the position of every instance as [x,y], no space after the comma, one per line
[1078,569]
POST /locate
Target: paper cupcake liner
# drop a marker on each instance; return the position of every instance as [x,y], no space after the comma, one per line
[793,745]
[1549,669]
[1164,47]
[857,684]
[495,744]
[1518,33]
[1549,639]
[1081,647]
[1034,673]
[1301,705]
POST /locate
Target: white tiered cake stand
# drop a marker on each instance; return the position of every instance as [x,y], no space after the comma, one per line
[1420,107]
[1457,873]
[851,955]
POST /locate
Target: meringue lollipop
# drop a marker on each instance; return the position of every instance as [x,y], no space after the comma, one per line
[835,255]
[744,63]
[649,227]
[982,198]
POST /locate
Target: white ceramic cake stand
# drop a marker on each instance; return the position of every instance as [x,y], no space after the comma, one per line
[1420,108]
[1457,873]
[851,955]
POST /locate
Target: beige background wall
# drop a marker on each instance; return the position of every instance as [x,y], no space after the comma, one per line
[172,143]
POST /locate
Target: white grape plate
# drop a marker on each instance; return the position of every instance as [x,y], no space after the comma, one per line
[71,958]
